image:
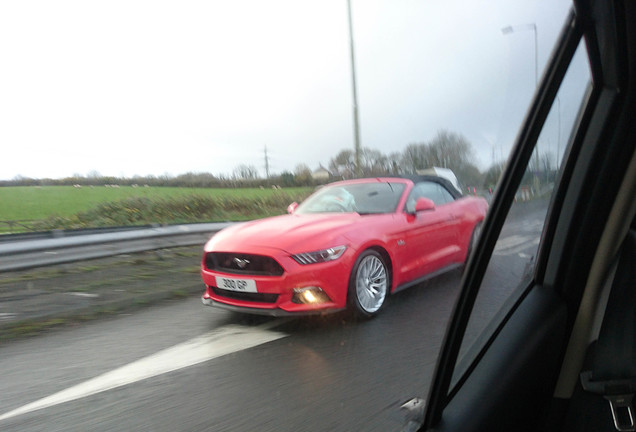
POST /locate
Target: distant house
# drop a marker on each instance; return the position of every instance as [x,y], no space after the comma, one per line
[321,174]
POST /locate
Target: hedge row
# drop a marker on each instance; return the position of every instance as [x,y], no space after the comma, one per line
[183,209]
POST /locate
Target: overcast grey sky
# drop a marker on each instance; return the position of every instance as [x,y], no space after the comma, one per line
[140,87]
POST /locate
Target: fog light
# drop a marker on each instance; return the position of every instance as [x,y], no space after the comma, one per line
[309,295]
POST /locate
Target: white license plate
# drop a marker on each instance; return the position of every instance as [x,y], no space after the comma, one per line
[242,285]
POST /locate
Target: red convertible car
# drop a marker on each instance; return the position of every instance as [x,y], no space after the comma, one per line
[350,244]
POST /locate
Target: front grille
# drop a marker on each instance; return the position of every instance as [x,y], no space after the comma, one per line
[245,296]
[244,264]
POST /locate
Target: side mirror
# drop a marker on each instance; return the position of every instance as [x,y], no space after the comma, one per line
[424,204]
[292,207]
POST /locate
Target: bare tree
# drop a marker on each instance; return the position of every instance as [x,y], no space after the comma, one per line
[415,157]
[447,150]
[374,162]
[343,164]
[245,172]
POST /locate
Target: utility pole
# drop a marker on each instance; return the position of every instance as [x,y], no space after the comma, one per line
[266,164]
[356,127]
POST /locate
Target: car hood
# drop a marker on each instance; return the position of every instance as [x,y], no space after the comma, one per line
[291,233]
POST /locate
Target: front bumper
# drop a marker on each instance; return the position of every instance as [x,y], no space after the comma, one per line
[266,312]
[275,294]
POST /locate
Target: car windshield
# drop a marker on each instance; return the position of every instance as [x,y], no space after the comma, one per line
[363,198]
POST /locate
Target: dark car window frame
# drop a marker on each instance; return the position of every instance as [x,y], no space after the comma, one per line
[439,393]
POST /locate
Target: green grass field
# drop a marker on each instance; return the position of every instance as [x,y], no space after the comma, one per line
[36,203]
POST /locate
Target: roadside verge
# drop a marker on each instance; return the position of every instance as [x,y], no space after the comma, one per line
[37,300]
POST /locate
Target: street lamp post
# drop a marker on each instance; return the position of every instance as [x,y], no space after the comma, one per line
[533,27]
[356,127]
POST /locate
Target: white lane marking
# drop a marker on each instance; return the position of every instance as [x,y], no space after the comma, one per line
[81,294]
[222,341]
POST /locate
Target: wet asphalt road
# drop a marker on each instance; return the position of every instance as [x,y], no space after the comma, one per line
[328,373]
[317,374]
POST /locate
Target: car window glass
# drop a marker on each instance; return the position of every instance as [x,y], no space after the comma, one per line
[412,198]
[513,260]
[443,195]
[430,190]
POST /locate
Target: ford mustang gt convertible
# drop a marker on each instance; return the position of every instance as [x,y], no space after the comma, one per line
[349,245]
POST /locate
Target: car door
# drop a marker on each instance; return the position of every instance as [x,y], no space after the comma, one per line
[429,237]
[514,365]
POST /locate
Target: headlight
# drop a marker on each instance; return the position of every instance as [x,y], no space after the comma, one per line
[319,256]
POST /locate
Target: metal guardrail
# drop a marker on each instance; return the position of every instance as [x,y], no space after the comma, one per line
[57,233]
[32,253]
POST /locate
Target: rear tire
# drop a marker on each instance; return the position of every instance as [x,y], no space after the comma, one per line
[368,284]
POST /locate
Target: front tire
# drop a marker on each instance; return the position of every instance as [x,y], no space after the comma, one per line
[368,284]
